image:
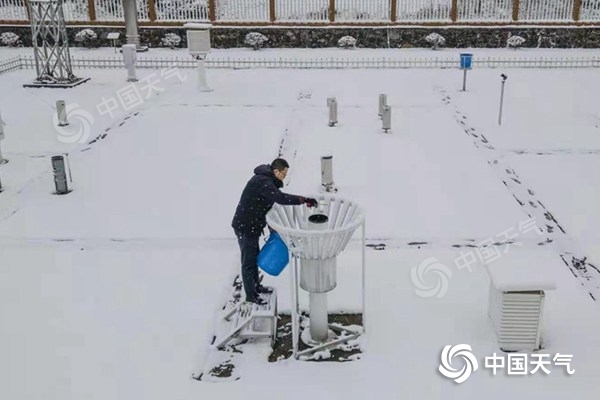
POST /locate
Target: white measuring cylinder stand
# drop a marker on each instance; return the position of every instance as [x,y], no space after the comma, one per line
[315,238]
[198,41]
[318,277]
[382,103]
[386,118]
[129,58]
[333,111]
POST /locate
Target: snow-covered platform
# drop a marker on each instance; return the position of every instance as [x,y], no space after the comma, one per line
[251,321]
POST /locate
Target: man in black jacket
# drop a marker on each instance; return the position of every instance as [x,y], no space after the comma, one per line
[259,195]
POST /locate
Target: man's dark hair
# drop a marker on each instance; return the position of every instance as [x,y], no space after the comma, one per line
[279,164]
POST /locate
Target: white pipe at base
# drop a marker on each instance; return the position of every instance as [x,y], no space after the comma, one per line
[202,85]
[318,317]
[295,322]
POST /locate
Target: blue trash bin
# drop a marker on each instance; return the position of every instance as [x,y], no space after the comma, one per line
[465,60]
[274,255]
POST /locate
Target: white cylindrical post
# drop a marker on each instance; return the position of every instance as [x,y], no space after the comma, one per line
[501,101]
[202,85]
[332,104]
[504,77]
[318,317]
[129,58]
[364,279]
[318,300]
[464,80]
[386,118]
[2,160]
[382,103]
[294,284]
[131,23]
[61,111]
[327,171]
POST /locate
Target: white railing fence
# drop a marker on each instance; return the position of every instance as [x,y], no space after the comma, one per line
[305,10]
[28,62]
[360,10]
[590,10]
[112,10]
[477,10]
[341,11]
[10,64]
[13,10]
[76,10]
[182,10]
[545,10]
[242,10]
[424,10]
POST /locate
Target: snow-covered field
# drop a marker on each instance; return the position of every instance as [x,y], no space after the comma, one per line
[112,290]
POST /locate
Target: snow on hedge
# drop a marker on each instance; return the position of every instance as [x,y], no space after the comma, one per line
[255,40]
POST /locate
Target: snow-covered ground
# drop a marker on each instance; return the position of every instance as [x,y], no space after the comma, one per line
[111,291]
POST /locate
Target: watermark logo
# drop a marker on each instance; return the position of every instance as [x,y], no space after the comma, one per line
[513,363]
[460,350]
[440,271]
[79,127]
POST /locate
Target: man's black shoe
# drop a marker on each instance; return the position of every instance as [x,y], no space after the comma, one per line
[263,289]
[257,301]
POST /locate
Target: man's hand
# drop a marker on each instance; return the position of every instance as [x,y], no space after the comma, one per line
[310,202]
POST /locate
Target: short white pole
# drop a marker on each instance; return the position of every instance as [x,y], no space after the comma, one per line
[2,160]
[202,85]
[386,118]
[504,77]
[129,58]
[61,111]
[294,305]
[333,111]
[318,317]
[364,283]
[382,103]
[327,172]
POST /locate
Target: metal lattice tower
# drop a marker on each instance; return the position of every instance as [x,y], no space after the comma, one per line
[51,45]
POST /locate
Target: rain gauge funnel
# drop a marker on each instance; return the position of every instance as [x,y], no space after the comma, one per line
[315,238]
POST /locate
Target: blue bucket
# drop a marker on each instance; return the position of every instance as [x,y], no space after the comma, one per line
[465,60]
[274,256]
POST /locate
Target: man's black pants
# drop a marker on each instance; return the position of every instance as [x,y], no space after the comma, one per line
[249,249]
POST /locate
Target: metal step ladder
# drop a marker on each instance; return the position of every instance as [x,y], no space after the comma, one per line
[251,321]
